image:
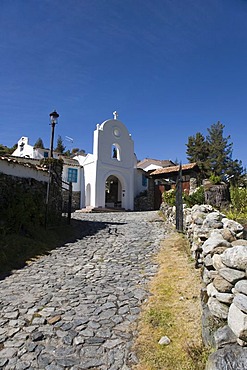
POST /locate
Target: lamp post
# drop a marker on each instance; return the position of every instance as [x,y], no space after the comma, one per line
[53,117]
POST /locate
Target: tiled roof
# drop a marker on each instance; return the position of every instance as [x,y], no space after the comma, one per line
[166,170]
[148,161]
[13,160]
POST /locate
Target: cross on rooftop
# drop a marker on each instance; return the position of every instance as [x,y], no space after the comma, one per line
[115,115]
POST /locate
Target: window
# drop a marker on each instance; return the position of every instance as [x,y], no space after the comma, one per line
[144,180]
[46,154]
[72,174]
[21,147]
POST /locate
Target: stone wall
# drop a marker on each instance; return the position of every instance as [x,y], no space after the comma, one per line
[76,199]
[22,203]
[23,200]
[145,201]
[220,250]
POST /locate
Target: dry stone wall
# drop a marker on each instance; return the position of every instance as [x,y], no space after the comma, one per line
[219,248]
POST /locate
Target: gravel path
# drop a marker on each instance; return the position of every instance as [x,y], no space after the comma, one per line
[77,307]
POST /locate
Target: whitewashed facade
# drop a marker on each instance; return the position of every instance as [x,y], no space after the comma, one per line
[110,171]
[107,178]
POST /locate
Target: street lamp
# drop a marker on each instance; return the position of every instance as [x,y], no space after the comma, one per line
[53,117]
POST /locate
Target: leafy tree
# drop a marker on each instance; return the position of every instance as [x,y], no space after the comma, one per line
[39,144]
[60,147]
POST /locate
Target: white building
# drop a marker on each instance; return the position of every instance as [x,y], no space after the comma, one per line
[110,177]
[109,173]
[25,150]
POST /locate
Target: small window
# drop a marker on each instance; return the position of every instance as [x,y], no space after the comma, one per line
[46,154]
[21,147]
[144,180]
[72,174]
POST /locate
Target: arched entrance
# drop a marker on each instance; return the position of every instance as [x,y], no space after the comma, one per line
[113,192]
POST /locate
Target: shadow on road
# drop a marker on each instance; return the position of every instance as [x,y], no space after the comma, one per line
[17,251]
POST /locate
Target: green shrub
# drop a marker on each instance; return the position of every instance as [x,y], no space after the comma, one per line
[238,207]
[214,179]
[169,197]
[198,197]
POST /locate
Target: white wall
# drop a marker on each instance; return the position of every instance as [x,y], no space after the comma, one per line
[27,171]
[109,133]
[138,182]
[24,150]
[76,186]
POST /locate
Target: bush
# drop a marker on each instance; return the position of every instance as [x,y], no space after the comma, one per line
[238,208]
[198,197]
[214,179]
[169,197]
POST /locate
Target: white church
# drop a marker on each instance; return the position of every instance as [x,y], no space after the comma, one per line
[110,177]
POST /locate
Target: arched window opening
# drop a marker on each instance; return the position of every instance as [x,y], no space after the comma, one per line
[116,152]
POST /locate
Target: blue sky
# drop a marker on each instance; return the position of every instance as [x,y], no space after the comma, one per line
[170,68]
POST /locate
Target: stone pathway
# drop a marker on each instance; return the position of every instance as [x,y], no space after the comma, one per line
[77,307]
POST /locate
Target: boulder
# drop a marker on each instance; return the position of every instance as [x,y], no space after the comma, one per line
[218,250]
[211,291]
[232,225]
[226,298]
[241,286]
[224,336]
[240,300]
[235,257]
[239,242]
[231,275]
[222,285]
[206,276]
[209,323]
[213,220]
[213,242]
[228,358]
[198,217]
[217,308]
[208,262]
[228,235]
[237,321]
[217,262]
[206,208]
[241,342]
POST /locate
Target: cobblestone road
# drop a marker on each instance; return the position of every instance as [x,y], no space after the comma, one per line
[77,307]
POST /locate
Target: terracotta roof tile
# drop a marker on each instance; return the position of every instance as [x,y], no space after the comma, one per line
[24,164]
[148,161]
[160,171]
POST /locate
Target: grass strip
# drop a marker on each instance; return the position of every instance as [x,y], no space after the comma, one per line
[172,310]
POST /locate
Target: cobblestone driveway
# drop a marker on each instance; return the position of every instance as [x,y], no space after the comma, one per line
[77,307]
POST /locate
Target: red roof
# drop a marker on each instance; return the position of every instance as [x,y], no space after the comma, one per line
[148,161]
[166,170]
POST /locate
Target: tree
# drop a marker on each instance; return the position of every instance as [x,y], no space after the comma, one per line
[39,144]
[214,154]
[198,151]
[60,147]
[220,153]
[4,150]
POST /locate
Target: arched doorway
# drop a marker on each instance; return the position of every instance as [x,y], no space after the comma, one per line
[113,192]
